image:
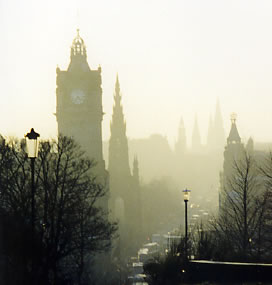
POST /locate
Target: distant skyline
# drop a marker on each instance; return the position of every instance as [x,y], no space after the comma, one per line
[174,59]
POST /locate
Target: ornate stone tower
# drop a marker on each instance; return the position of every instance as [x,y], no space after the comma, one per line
[79,101]
[233,151]
[79,105]
[118,145]
[125,193]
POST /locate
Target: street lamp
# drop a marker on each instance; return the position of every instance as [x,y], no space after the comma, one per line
[32,145]
[186,196]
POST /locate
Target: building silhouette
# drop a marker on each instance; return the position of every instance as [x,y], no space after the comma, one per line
[79,111]
[233,152]
[216,134]
[125,199]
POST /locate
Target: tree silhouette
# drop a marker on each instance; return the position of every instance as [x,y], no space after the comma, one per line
[70,228]
[240,223]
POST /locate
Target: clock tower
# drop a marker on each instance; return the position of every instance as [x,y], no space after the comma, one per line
[79,105]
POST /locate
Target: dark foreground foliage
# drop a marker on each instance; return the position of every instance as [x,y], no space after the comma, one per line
[70,229]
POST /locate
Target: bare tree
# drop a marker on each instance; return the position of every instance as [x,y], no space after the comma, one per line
[266,170]
[243,204]
[69,227]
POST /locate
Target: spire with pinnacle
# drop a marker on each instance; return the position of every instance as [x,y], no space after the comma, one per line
[118,145]
[233,137]
[78,47]
[78,55]
[118,124]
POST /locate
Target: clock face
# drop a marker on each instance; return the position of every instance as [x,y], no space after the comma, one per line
[77,96]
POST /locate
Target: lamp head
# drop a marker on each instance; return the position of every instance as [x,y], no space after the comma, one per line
[186,195]
[32,143]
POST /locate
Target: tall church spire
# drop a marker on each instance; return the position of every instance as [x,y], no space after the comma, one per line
[117,86]
[125,198]
[118,145]
[196,142]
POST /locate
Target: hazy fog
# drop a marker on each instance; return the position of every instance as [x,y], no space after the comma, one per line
[174,58]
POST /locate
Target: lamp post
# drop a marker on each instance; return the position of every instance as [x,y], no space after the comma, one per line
[32,144]
[186,196]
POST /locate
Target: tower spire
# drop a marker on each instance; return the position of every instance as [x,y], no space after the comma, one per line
[118,122]
[78,55]
[117,85]
[117,95]
[118,141]
[78,46]
[234,136]
[125,189]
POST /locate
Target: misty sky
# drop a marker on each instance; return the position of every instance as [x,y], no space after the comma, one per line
[174,58]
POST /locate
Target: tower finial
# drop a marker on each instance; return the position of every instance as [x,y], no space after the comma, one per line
[117,86]
[233,118]
[234,136]
[78,46]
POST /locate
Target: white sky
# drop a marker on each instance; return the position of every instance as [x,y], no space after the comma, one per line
[173,57]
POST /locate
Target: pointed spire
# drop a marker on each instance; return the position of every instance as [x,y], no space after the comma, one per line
[117,115]
[181,125]
[196,141]
[233,135]
[117,85]
[180,146]
[117,95]
[118,145]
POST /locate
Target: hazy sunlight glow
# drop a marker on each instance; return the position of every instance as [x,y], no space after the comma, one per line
[174,58]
